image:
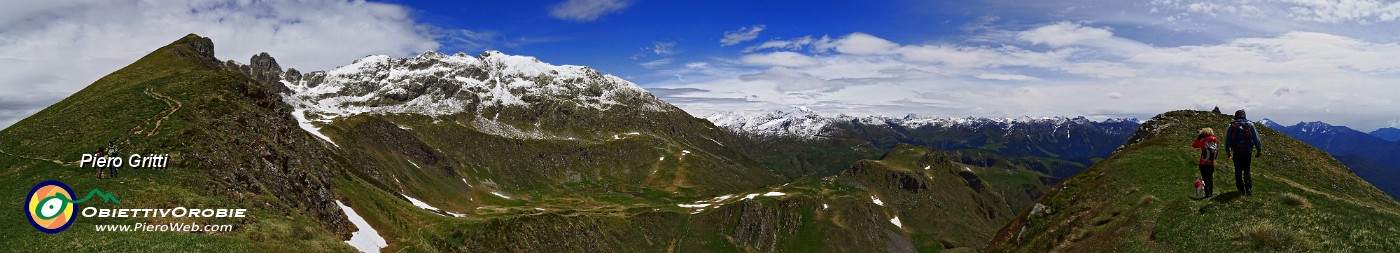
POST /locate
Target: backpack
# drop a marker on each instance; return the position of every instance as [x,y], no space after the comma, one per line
[1209,152]
[1241,135]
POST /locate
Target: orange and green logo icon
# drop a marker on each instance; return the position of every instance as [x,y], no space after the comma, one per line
[51,206]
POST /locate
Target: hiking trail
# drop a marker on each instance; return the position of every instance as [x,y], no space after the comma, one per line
[174,105]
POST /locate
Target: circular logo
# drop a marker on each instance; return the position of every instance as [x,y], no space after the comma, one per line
[50,206]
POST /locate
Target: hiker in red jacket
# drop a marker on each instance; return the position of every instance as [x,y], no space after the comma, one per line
[1207,143]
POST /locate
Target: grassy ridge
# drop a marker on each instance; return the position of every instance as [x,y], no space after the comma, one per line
[1140,200]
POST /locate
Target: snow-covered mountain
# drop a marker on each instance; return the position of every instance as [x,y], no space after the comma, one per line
[1073,143]
[799,122]
[437,84]
[804,123]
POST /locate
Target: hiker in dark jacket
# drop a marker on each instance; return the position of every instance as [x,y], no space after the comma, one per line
[1209,150]
[114,150]
[1243,136]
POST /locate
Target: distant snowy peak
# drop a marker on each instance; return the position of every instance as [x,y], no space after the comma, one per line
[437,84]
[802,122]
[1315,127]
[1269,123]
[799,122]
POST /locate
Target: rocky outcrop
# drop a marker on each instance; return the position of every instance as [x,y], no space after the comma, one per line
[252,146]
[263,68]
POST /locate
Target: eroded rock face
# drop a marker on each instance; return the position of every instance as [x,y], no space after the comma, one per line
[257,153]
[199,49]
[263,68]
[201,45]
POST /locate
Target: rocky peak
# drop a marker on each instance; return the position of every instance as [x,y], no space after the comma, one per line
[264,69]
[199,50]
[430,54]
[263,62]
[201,45]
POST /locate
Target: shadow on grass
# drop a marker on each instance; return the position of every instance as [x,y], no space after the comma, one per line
[1218,200]
[1227,197]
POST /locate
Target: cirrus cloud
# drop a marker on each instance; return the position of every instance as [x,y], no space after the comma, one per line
[743,34]
[587,10]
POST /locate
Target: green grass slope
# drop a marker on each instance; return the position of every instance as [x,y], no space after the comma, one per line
[942,202]
[1139,200]
[232,145]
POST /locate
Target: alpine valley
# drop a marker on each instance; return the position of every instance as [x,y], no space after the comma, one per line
[502,153]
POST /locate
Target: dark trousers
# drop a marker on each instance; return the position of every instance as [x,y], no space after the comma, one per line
[1242,181]
[1208,175]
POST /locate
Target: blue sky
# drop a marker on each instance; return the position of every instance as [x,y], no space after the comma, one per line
[619,42]
[1288,60]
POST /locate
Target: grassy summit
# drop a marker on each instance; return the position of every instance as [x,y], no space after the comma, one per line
[1139,200]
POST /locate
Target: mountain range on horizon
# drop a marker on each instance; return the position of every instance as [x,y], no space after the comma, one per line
[1372,157]
[1056,146]
[504,153]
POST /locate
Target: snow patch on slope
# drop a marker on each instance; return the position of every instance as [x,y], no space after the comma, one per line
[366,239]
[306,125]
[500,195]
[424,205]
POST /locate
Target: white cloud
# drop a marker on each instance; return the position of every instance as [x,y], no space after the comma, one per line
[1336,11]
[740,36]
[785,59]
[1065,34]
[53,48]
[657,63]
[788,80]
[587,10]
[663,47]
[1006,77]
[467,40]
[1060,68]
[1290,53]
[793,44]
[861,44]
